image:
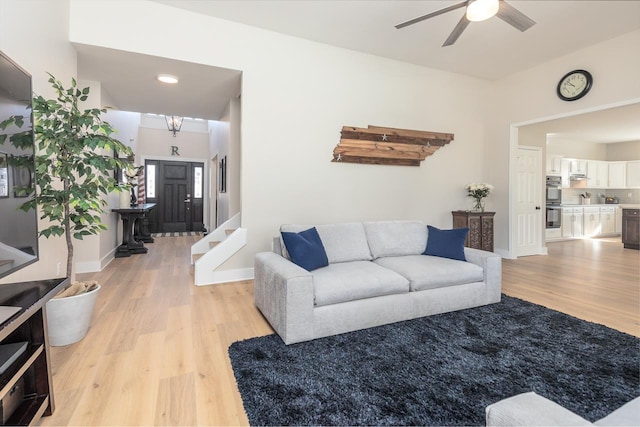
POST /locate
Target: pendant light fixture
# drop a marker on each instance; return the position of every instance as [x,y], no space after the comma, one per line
[174,123]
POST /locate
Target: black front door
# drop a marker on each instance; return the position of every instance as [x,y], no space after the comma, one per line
[177,189]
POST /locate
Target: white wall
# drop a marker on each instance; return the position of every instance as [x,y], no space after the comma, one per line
[35,35]
[157,143]
[298,94]
[296,97]
[577,149]
[623,151]
[235,157]
[219,140]
[530,96]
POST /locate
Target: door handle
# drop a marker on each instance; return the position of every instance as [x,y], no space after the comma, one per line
[537,208]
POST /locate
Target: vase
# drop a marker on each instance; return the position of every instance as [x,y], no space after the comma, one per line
[478,205]
[134,199]
[125,199]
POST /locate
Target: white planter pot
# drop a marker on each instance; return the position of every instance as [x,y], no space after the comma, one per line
[68,319]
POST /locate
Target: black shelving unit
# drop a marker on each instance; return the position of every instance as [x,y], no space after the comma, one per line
[31,370]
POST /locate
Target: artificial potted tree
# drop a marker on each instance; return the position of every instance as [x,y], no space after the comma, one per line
[74,173]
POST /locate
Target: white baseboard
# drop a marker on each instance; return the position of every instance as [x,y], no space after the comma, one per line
[88,267]
[502,253]
[95,266]
[226,276]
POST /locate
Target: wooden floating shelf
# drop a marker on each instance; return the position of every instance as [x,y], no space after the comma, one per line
[387,146]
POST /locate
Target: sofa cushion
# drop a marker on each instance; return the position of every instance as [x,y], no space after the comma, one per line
[342,242]
[429,272]
[305,249]
[396,238]
[446,243]
[626,415]
[348,281]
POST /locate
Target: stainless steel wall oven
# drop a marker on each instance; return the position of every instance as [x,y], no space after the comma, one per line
[554,216]
[554,190]
[554,199]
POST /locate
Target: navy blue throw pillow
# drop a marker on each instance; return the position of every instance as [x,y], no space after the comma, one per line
[446,243]
[306,249]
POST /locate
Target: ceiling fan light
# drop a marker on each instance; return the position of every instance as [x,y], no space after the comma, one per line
[479,10]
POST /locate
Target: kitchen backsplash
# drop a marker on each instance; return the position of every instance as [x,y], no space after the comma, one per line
[571,196]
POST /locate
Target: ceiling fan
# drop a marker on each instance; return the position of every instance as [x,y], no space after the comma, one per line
[478,10]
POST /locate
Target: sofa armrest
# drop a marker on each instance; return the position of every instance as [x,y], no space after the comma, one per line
[491,264]
[531,409]
[284,294]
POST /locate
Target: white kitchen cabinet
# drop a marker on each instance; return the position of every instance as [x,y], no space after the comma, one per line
[572,222]
[554,165]
[591,221]
[564,172]
[597,174]
[618,220]
[608,220]
[617,175]
[578,166]
[633,174]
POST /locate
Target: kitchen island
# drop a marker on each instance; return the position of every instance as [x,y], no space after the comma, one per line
[631,227]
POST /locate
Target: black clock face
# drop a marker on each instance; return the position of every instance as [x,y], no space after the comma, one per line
[574,85]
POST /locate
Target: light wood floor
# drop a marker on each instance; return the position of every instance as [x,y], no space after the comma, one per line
[156,353]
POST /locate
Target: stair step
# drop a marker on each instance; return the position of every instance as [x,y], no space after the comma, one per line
[213,244]
[230,231]
[197,257]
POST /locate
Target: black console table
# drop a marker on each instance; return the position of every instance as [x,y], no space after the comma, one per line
[134,232]
[26,389]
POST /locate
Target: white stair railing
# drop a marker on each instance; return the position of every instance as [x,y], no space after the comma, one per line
[214,249]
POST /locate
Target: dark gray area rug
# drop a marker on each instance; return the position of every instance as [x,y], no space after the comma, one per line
[438,370]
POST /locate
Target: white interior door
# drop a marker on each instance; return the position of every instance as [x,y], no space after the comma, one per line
[528,201]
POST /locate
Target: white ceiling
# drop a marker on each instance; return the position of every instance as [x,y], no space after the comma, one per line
[491,49]
[130,83]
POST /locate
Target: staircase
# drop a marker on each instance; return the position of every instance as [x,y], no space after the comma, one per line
[214,249]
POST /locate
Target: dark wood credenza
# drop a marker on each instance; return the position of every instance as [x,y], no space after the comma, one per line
[26,389]
[631,228]
[480,226]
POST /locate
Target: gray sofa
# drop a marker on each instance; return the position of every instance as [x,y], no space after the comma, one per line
[376,274]
[531,409]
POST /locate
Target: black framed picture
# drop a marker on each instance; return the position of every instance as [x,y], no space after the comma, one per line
[223,175]
[117,172]
[4,175]
[22,180]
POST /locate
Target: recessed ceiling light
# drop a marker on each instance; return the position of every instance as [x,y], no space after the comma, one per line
[167,78]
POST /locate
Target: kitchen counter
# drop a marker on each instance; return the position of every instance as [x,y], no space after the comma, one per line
[597,205]
[622,205]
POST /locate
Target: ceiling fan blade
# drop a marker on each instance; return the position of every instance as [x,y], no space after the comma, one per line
[462,24]
[514,17]
[432,14]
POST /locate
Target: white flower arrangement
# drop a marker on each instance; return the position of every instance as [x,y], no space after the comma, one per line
[478,191]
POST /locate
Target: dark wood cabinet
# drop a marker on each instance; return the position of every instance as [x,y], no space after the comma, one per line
[480,226]
[631,228]
[26,390]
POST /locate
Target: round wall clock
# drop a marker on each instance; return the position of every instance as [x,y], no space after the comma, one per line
[574,85]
